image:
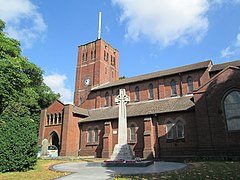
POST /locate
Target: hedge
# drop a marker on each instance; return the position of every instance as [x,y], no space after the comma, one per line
[18,144]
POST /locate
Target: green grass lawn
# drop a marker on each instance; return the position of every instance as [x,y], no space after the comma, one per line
[197,170]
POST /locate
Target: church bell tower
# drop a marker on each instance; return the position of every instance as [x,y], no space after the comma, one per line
[97,64]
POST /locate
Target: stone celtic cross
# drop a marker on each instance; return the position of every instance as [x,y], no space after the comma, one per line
[122,99]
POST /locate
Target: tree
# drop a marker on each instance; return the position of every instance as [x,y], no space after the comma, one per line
[22,95]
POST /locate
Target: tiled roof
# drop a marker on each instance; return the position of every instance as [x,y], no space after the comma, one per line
[153,75]
[142,108]
[81,111]
[219,67]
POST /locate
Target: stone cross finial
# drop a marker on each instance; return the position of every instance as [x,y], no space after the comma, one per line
[122,99]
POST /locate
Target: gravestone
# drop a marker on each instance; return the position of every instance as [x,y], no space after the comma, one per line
[122,150]
[44,147]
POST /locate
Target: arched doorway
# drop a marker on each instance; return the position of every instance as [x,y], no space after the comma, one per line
[54,140]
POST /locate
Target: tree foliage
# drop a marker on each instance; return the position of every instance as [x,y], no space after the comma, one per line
[18,143]
[22,95]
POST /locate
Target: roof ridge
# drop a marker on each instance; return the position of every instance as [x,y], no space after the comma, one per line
[152,75]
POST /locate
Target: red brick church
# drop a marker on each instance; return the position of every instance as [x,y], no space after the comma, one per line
[184,112]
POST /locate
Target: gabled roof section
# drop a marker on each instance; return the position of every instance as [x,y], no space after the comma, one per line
[141,109]
[214,77]
[80,111]
[190,67]
[219,67]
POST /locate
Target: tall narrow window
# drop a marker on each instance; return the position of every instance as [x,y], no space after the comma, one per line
[190,84]
[59,118]
[173,88]
[48,119]
[107,99]
[231,105]
[86,57]
[150,91]
[180,130]
[51,121]
[169,130]
[132,133]
[105,57]
[137,95]
[96,135]
[94,54]
[83,57]
[55,118]
[91,54]
[89,135]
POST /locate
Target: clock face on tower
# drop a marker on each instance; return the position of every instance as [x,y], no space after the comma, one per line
[87,82]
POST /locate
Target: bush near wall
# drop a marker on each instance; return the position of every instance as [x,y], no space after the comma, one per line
[18,143]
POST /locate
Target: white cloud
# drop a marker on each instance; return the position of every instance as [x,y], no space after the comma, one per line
[237,44]
[23,21]
[57,83]
[233,49]
[163,21]
[227,52]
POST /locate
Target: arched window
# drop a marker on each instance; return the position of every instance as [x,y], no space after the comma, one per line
[89,135]
[107,99]
[83,57]
[51,121]
[137,95]
[190,84]
[55,118]
[48,119]
[169,130]
[59,118]
[91,55]
[180,130]
[96,135]
[173,88]
[132,133]
[150,91]
[231,105]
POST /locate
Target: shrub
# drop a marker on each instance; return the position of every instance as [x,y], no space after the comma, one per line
[18,143]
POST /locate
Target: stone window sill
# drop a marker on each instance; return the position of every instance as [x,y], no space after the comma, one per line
[131,142]
[92,144]
[53,124]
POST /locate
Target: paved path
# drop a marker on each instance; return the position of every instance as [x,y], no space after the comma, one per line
[81,170]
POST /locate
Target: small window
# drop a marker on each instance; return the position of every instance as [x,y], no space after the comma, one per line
[169,130]
[94,54]
[83,57]
[173,88]
[51,122]
[91,54]
[132,133]
[137,95]
[190,84]
[59,118]
[105,57]
[48,120]
[86,57]
[89,135]
[150,91]
[107,99]
[180,130]
[96,135]
[55,118]
[231,105]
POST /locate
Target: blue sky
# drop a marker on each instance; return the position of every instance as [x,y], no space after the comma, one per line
[151,35]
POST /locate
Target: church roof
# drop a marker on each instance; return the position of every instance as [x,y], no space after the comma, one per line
[141,108]
[157,74]
[81,111]
[219,67]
